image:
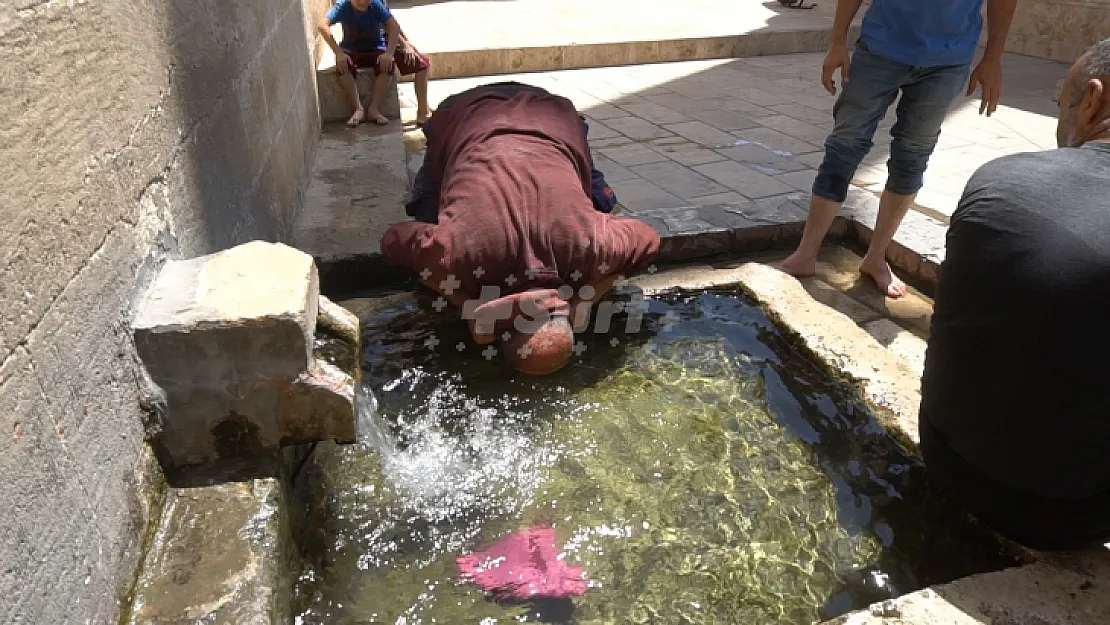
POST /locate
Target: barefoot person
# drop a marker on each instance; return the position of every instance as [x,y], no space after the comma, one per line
[508,210]
[1015,410]
[364,22]
[923,50]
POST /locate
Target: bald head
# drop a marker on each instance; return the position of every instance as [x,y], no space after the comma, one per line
[543,352]
[1085,98]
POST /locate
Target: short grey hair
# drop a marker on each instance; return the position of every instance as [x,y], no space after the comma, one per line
[1095,63]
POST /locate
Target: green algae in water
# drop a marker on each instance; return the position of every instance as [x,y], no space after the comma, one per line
[700,472]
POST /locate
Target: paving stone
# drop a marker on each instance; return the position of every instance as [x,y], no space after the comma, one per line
[600,111]
[804,113]
[672,140]
[598,130]
[684,221]
[748,182]
[688,154]
[737,105]
[702,133]
[777,141]
[762,159]
[678,180]
[633,154]
[642,194]
[722,198]
[730,214]
[613,172]
[760,97]
[655,113]
[811,160]
[725,120]
[794,128]
[636,129]
[800,180]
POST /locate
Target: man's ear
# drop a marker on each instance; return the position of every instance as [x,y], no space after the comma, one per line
[1092,102]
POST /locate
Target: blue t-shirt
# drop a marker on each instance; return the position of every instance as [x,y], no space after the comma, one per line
[924,33]
[362,31]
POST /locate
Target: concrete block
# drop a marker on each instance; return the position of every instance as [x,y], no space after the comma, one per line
[228,338]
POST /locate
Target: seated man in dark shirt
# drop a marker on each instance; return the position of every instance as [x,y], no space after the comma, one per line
[509,226]
[1015,411]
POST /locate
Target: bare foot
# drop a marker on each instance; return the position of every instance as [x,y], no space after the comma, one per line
[356,119]
[423,115]
[884,278]
[798,265]
[376,117]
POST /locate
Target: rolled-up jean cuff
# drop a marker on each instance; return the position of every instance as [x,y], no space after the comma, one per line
[905,187]
[825,186]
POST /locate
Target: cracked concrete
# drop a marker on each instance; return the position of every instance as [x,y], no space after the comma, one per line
[135,131]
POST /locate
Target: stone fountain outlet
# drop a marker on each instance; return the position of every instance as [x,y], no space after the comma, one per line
[228,342]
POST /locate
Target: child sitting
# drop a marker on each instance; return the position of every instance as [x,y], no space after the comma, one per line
[364,46]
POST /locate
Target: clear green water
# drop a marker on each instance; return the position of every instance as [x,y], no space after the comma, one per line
[706,473]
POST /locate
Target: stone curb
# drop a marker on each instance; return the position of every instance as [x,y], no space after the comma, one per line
[698,232]
[516,60]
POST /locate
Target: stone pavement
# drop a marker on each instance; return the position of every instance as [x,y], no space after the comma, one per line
[702,132]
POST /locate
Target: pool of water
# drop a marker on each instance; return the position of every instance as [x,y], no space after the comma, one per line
[701,470]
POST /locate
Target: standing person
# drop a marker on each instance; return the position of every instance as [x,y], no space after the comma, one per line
[923,50]
[364,46]
[1015,410]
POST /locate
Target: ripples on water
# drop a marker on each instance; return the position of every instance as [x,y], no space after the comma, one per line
[700,474]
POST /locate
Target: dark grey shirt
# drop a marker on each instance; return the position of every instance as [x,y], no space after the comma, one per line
[1016,380]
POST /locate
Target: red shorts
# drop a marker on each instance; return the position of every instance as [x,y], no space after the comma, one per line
[369,60]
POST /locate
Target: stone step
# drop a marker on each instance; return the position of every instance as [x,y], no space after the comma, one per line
[465,39]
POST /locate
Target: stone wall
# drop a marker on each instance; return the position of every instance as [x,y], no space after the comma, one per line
[1058,29]
[132,131]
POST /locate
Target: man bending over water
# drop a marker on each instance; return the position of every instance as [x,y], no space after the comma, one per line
[1015,408]
[508,202]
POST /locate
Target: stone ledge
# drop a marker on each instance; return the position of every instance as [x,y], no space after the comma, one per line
[221,554]
[1067,589]
[846,349]
[515,60]
[918,247]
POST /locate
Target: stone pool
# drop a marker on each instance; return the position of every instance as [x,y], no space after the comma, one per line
[700,470]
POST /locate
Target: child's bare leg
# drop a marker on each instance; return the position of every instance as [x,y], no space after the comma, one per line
[374,111]
[420,82]
[350,89]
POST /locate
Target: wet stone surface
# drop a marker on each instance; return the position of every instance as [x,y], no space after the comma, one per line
[220,556]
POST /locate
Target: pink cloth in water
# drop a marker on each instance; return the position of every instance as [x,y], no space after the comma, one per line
[523,565]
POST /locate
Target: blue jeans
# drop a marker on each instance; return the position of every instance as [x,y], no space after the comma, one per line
[874,82]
